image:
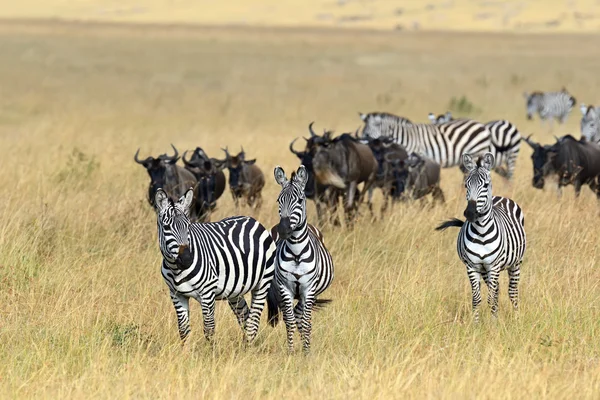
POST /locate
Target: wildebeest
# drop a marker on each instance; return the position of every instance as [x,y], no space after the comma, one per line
[344,162]
[165,174]
[422,177]
[245,178]
[325,197]
[211,181]
[575,162]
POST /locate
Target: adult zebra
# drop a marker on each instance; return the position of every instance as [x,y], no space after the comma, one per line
[444,143]
[214,261]
[590,123]
[506,142]
[550,105]
[493,236]
[303,265]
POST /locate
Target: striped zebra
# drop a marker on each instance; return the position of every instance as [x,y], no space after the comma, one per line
[214,261]
[303,265]
[444,143]
[506,142]
[492,238]
[550,105]
[590,123]
[377,123]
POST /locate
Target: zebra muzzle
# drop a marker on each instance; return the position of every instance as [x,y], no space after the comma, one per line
[184,256]
[471,213]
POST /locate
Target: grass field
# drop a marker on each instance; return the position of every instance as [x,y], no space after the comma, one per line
[84,311]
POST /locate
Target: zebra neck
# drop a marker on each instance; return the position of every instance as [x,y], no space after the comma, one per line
[486,219]
[299,235]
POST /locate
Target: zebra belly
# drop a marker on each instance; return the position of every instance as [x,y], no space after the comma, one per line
[297,278]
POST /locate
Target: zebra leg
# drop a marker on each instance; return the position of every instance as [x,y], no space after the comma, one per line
[207,302]
[307,322]
[259,298]
[182,309]
[287,309]
[514,274]
[491,280]
[474,278]
[240,309]
[298,310]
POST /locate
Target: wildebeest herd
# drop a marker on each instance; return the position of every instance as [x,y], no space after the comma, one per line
[226,259]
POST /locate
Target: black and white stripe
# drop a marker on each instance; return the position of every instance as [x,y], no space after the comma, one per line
[378,123]
[303,265]
[550,105]
[590,123]
[492,238]
[214,261]
[444,143]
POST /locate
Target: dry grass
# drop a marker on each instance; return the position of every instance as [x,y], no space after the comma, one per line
[84,310]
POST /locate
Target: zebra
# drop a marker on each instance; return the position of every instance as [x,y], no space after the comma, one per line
[506,142]
[214,261]
[378,122]
[590,123]
[444,143]
[492,238]
[303,265]
[550,105]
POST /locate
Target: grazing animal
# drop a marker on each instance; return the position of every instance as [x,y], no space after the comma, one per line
[165,174]
[550,105]
[575,162]
[590,123]
[444,143]
[221,260]
[211,181]
[246,180]
[378,123]
[492,238]
[422,177]
[303,265]
[343,162]
[506,142]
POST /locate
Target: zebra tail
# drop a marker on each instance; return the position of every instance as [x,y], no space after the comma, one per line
[454,222]
[320,303]
[273,305]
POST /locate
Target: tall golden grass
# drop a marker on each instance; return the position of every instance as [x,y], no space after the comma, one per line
[84,312]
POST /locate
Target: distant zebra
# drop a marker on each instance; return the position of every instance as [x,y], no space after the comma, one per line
[303,266]
[378,122]
[214,261]
[550,105]
[492,238]
[444,143]
[506,142]
[590,123]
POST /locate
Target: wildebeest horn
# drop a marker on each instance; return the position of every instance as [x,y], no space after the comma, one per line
[173,157]
[227,156]
[186,162]
[135,157]
[530,142]
[312,133]
[292,148]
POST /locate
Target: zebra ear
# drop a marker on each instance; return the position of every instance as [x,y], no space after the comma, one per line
[583,108]
[301,175]
[432,118]
[363,116]
[488,161]
[468,162]
[185,202]
[161,200]
[280,176]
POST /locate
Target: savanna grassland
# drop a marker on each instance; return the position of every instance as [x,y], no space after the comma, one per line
[84,312]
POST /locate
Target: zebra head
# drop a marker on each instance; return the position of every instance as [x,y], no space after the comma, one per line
[590,123]
[440,119]
[478,185]
[380,124]
[291,200]
[173,227]
[534,101]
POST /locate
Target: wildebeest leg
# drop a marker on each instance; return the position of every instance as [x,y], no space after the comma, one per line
[258,201]
[349,206]
[438,194]
[235,199]
[577,185]
[370,202]
[386,199]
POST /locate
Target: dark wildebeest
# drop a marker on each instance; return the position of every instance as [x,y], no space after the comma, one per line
[421,176]
[211,181]
[344,162]
[245,178]
[325,197]
[173,179]
[387,153]
[574,162]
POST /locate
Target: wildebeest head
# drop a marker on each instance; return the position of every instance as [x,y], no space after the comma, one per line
[157,167]
[542,159]
[479,185]
[396,170]
[532,103]
[590,123]
[201,165]
[380,146]
[291,200]
[306,159]
[235,165]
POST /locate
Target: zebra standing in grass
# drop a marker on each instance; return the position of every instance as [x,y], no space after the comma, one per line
[303,266]
[506,142]
[550,105]
[214,261]
[444,143]
[492,238]
[377,123]
[590,123]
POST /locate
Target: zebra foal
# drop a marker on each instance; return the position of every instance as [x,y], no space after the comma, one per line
[303,265]
[550,105]
[213,261]
[492,238]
